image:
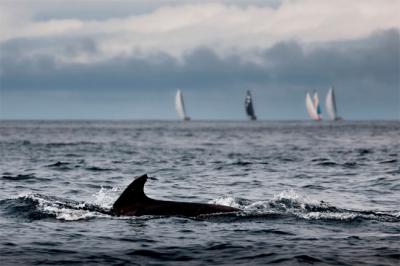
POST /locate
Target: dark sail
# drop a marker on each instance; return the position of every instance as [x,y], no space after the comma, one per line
[248,103]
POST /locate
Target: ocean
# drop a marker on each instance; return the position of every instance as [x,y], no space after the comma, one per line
[324,193]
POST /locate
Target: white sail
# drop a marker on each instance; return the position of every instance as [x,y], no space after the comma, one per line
[311,110]
[330,103]
[180,106]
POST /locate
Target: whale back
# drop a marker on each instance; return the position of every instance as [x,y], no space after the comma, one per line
[133,202]
[132,194]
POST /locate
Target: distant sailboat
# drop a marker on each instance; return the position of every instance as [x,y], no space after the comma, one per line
[248,104]
[312,108]
[316,104]
[330,104]
[180,106]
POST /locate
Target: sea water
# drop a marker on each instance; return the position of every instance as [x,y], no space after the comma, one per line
[309,192]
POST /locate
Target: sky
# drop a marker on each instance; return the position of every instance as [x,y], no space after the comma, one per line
[98,59]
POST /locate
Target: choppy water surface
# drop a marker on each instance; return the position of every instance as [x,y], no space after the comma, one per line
[325,193]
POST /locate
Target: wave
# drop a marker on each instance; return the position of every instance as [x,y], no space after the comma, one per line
[362,152]
[60,165]
[28,178]
[388,161]
[48,144]
[242,163]
[97,169]
[63,144]
[287,204]
[333,164]
[37,206]
[291,204]
[18,177]
[64,166]
[327,163]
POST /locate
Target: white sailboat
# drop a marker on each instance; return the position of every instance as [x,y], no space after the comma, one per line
[311,108]
[330,104]
[180,106]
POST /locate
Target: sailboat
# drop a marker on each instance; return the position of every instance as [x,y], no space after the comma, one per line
[330,104]
[316,103]
[248,105]
[312,108]
[180,106]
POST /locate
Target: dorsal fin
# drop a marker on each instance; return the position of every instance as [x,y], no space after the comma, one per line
[133,193]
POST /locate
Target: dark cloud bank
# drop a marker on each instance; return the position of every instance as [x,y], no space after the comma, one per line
[367,66]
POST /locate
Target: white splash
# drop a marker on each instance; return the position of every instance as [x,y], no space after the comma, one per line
[60,209]
[290,198]
[67,214]
[231,202]
[328,216]
[106,197]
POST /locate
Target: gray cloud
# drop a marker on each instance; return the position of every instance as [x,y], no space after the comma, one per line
[100,10]
[374,59]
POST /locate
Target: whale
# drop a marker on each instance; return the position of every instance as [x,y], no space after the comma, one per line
[134,202]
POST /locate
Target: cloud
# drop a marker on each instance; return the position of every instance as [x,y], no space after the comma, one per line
[225,28]
[374,59]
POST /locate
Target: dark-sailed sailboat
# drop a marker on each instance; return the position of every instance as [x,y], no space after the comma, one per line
[248,104]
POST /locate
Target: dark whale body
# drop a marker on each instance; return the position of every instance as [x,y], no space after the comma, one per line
[133,202]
